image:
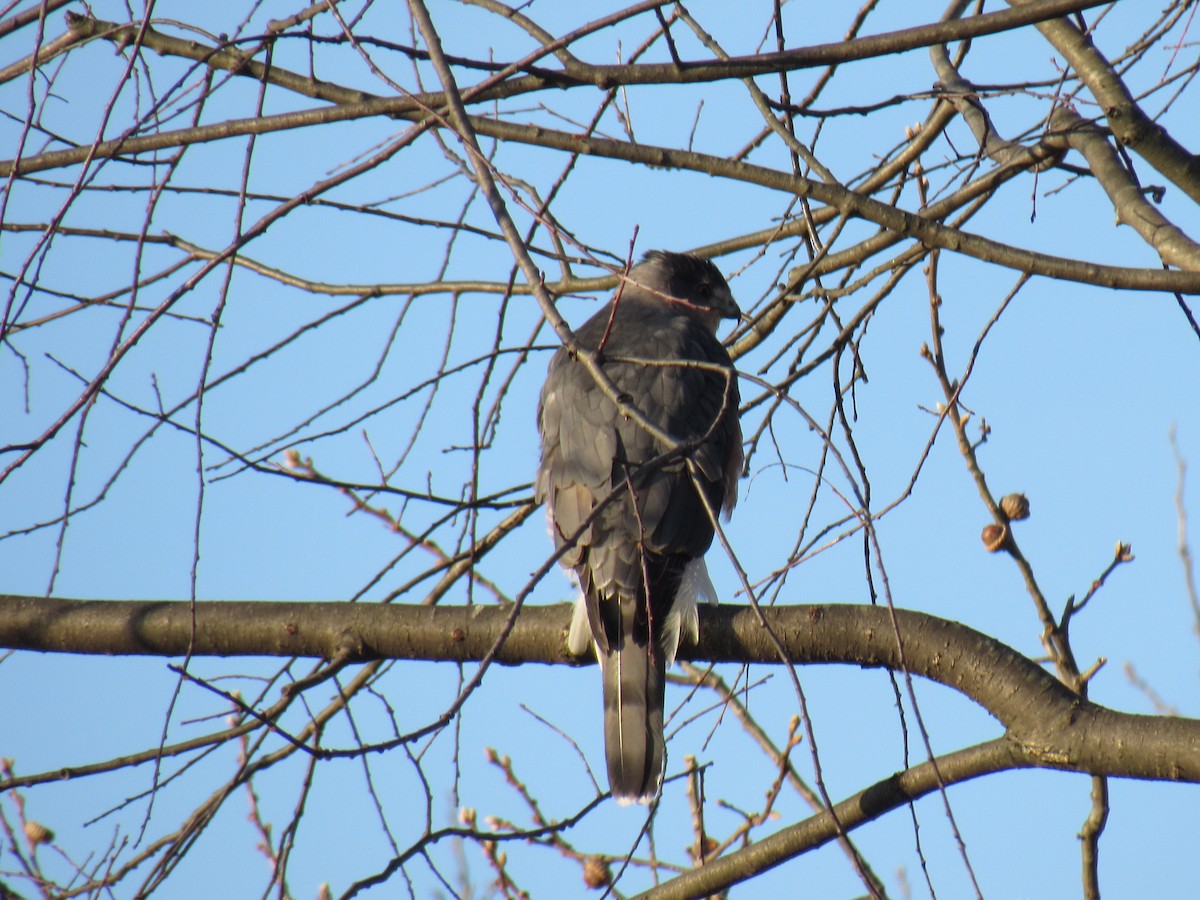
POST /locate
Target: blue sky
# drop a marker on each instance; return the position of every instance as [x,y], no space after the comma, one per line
[1081,387]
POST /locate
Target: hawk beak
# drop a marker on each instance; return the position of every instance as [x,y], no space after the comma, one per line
[732,310]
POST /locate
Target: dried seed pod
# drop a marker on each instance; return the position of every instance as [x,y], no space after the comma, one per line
[994,537]
[37,833]
[1015,506]
[596,873]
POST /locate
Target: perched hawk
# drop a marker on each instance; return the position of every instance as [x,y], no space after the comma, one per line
[640,561]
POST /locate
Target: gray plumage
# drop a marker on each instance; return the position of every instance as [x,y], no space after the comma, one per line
[640,565]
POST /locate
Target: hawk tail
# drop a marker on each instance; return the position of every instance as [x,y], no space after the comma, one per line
[634,695]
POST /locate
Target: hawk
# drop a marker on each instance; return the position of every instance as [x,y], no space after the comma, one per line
[639,557]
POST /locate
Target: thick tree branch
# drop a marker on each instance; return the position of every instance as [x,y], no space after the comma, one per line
[1054,727]
[1127,196]
[961,94]
[1129,123]
[865,806]
[576,73]
[29,16]
[847,202]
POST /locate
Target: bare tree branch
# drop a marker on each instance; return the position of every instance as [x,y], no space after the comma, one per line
[1056,727]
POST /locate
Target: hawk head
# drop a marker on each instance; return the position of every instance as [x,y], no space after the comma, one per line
[689,283]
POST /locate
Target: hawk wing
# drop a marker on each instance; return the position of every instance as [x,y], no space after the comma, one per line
[639,559]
